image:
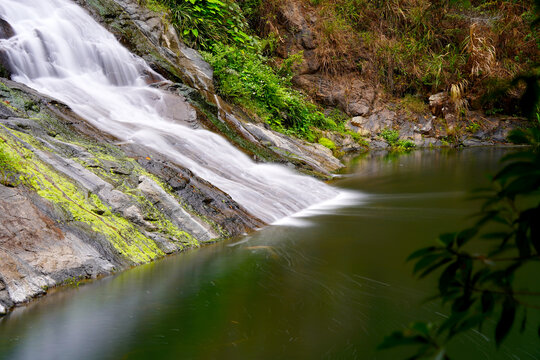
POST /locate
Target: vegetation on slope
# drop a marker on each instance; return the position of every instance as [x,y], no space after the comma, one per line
[422,47]
[242,66]
[472,49]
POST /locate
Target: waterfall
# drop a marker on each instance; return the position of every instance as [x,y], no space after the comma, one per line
[59,50]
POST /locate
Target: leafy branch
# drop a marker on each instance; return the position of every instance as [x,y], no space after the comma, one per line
[481,286]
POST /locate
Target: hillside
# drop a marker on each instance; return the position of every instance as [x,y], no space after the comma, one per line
[438,72]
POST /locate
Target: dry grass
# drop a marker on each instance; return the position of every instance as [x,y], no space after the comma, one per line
[481,52]
[457,96]
[421,46]
[338,44]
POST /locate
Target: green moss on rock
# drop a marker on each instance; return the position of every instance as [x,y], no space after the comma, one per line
[125,238]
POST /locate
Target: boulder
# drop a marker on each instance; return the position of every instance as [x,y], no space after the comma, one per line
[424,125]
[6,31]
[438,103]
[370,126]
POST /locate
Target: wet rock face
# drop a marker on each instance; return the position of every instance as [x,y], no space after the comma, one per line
[6,31]
[198,194]
[99,207]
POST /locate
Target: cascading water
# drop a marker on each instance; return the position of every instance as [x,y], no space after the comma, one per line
[61,51]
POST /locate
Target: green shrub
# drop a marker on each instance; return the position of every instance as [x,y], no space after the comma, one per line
[473,127]
[203,22]
[405,145]
[327,143]
[244,77]
[391,136]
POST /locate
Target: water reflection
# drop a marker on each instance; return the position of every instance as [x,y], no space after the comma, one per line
[331,290]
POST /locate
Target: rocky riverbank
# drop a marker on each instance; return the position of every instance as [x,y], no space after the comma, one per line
[78,203]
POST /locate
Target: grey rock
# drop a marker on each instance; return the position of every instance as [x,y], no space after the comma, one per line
[418,139]
[6,31]
[165,245]
[317,156]
[33,249]
[307,39]
[429,141]
[88,180]
[5,112]
[475,142]
[311,63]
[358,109]
[169,206]
[378,144]
[438,102]
[134,214]
[375,123]
[406,130]
[500,134]
[424,125]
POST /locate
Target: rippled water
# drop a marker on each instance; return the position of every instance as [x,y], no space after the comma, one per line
[329,285]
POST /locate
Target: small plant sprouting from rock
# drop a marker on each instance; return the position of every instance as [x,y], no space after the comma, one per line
[391,136]
[74,282]
[473,127]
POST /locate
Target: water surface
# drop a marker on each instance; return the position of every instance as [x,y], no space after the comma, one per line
[329,287]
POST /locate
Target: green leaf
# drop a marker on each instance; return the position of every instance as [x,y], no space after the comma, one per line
[422,252]
[515,169]
[464,236]
[425,262]
[495,235]
[421,327]
[462,304]
[440,355]
[488,302]
[522,185]
[447,277]
[522,242]
[451,322]
[506,320]
[523,321]
[448,239]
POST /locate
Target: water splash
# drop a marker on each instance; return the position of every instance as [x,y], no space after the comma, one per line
[59,50]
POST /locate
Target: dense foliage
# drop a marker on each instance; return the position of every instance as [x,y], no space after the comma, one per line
[245,77]
[242,71]
[201,23]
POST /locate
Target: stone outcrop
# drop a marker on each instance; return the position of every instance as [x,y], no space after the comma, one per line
[75,205]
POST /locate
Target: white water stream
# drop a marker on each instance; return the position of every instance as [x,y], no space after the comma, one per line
[59,50]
